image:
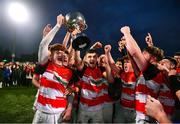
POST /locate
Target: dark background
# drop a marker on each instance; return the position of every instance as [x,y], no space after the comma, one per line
[104,18]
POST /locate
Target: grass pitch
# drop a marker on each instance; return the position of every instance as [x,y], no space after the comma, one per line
[16,104]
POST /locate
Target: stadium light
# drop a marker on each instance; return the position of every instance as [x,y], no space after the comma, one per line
[18,12]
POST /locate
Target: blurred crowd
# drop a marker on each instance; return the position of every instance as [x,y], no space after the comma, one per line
[16,74]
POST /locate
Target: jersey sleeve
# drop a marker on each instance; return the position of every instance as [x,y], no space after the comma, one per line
[150,72]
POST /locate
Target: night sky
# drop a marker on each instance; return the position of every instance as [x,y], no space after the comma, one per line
[104,18]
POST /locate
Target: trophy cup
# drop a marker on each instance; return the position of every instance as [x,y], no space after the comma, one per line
[76,21]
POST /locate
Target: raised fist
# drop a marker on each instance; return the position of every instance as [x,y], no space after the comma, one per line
[60,19]
[97,45]
[107,48]
[47,29]
[122,44]
[125,30]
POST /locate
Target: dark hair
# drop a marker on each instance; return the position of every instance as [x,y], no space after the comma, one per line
[119,59]
[126,57]
[172,60]
[91,51]
[155,51]
[177,54]
[57,47]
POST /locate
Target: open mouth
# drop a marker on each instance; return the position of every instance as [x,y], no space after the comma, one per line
[91,63]
[59,59]
[125,68]
[65,60]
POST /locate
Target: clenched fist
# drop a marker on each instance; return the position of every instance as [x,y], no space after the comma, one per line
[107,48]
[122,44]
[47,29]
[60,19]
[125,30]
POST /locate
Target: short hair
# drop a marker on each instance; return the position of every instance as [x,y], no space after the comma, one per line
[155,51]
[177,54]
[57,47]
[119,59]
[91,51]
[172,60]
[126,57]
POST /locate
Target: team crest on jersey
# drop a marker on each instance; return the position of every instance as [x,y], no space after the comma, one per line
[59,79]
[94,82]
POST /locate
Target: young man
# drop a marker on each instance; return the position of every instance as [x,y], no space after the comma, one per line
[125,110]
[170,70]
[166,96]
[52,105]
[51,102]
[108,101]
[92,87]
[150,80]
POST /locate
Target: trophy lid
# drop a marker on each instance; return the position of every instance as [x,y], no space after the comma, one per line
[81,42]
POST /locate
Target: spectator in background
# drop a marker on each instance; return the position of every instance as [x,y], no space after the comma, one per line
[1,74]
[29,73]
[16,72]
[6,75]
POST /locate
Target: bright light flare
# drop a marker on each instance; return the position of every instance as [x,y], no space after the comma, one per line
[18,12]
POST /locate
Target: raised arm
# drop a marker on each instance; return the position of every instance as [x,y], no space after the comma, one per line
[44,44]
[96,45]
[110,60]
[135,67]
[78,61]
[109,76]
[66,38]
[133,49]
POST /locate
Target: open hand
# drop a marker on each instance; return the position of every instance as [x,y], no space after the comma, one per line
[149,40]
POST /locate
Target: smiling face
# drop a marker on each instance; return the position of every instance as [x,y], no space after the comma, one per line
[60,58]
[91,59]
[59,55]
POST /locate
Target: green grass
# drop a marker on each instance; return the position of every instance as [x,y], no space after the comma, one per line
[16,104]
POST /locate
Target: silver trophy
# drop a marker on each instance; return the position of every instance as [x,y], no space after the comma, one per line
[75,20]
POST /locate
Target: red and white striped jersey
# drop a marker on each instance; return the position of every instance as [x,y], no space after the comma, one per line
[144,88]
[53,84]
[92,89]
[128,90]
[167,99]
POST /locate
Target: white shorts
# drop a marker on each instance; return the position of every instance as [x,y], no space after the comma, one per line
[42,117]
[94,117]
